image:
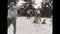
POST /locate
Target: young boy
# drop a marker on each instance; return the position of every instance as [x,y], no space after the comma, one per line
[37,16]
[30,13]
[44,21]
[12,14]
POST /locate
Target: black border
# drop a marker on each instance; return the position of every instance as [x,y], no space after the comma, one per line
[56,17]
[3,16]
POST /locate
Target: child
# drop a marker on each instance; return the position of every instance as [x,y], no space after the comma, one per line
[30,13]
[12,14]
[44,21]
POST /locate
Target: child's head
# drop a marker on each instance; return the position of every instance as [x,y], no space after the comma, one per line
[11,4]
[44,19]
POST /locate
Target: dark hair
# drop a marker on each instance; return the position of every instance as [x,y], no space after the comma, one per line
[44,19]
[11,4]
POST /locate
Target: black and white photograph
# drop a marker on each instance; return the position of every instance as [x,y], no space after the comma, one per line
[30,17]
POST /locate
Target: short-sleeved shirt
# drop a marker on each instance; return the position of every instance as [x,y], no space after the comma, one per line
[12,12]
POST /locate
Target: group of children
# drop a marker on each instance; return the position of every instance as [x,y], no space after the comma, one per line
[12,14]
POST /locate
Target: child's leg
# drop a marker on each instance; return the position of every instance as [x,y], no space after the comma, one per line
[28,16]
[39,17]
[14,24]
[36,18]
[9,22]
